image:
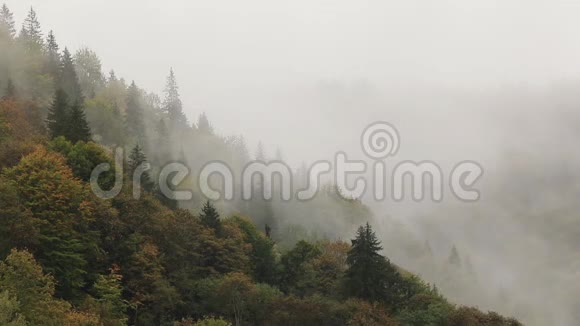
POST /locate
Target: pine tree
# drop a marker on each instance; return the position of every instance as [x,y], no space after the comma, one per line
[134,117]
[203,124]
[210,217]
[112,76]
[136,159]
[58,115]
[7,22]
[69,81]
[31,33]
[172,103]
[454,258]
[78,127]
[53,64]
[370,275]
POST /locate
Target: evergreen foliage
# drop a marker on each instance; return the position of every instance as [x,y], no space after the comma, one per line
[53,56]
[69,81]
[58,115]
[134,113]
[31,33]
[68,257]
[78,127]
[370,275]
[210,217]
[136,159]
[7,22]
[172,104]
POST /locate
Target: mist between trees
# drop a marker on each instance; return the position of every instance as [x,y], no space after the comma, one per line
[70,257]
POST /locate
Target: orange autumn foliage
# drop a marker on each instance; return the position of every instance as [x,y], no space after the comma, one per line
[21,128]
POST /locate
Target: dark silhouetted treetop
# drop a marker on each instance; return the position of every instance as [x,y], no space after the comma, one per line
[210,217]
[78,127]
[203,124]
[172,104]
[58,115]
[136,159]
[112,76]
[454,258]
[53,65]
[371,276]
[69,81]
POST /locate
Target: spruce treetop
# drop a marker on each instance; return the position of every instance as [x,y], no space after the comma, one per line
[172,104]
[7,21]
[31,32]
[69,81]
[58,114]
[210,217]
[78,128]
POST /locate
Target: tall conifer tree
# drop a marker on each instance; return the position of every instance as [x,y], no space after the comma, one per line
[7,22]
[53,56]
[454,258]
[58,114]
[172,103]
[134,116]
[203,124]
[210,217]
[69,81]
[78,127]
[136,158]
[31,33]
[370,275]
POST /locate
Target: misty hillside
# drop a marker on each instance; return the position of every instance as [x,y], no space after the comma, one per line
[106,209]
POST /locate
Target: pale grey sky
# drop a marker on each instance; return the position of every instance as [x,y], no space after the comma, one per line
[261,67]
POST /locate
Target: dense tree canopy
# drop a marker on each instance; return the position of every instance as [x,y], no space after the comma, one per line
[68,257]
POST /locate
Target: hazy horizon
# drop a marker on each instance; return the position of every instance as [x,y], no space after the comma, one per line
[490,81]
[257,67]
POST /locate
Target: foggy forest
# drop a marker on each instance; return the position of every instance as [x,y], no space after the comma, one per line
[318,162]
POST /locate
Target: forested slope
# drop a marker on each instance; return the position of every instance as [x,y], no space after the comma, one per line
[69,257]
